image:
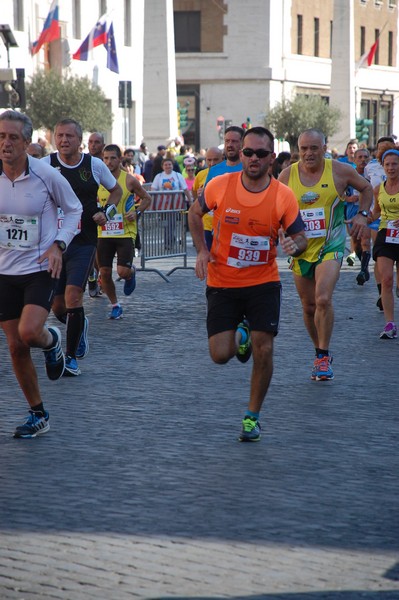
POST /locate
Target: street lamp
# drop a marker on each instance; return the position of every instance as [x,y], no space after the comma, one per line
[9,40]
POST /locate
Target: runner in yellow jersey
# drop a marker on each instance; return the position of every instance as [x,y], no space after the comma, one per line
[117,236]
[319,185]
[213,156]
[386,246]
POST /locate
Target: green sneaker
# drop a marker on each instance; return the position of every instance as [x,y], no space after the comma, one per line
[244,350]
[251,430]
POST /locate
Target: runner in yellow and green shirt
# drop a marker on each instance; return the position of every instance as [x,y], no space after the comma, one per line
[117,236]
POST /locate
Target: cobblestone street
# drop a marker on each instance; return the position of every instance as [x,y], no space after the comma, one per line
[141,490]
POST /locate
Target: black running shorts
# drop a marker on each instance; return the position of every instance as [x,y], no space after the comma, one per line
[77,263]
[383,248]
[260,304]
[16,291]
[107,248]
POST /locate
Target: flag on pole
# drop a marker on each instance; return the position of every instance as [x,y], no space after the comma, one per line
[96,37]
[368,57]
[371,53]
[112,58]
[102,34]
[51,29]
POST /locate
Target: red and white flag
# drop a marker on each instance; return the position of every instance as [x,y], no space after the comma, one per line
[367,59]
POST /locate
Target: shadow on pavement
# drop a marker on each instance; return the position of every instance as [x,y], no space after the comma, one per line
[320,595]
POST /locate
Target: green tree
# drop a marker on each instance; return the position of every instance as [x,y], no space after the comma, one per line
[289,118]
[50,97]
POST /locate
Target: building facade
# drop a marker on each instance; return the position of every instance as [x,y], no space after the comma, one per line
[248,56]
[195,65]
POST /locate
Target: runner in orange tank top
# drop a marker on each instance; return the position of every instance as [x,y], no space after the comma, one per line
[252,211]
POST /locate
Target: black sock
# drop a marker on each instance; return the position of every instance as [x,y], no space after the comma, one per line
[359,254]
[379,288]
[365,260]
[39,409]
[75,324]
[320,352]
[62,318]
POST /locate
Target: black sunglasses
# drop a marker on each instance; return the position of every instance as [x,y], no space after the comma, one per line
[259,153]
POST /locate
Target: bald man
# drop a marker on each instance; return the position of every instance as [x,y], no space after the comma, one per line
[319,184]
[35,150]
[213,156]
[96,144]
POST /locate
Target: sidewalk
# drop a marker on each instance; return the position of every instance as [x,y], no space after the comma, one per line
[141,490]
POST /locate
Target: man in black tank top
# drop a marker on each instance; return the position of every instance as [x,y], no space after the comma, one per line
[84,174]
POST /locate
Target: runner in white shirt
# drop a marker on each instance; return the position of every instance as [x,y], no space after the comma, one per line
[31,247]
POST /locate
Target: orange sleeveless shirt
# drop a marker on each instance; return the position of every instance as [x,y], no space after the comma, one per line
[245,230]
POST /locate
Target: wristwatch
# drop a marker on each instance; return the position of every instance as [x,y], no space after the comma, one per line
[364,213]
[61,245]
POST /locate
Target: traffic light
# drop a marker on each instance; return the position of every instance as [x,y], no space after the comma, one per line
[363,129]
[12,91]
[247,124]
[183,118]
[125,94]
[220,123]
[19,87]
[4,95]
[220,127]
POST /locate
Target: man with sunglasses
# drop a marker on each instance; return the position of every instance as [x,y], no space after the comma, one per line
[319,185]
[252,211]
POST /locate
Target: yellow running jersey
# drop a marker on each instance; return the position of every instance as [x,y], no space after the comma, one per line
[389,204]
[322,211]
[199,181]
[118,227]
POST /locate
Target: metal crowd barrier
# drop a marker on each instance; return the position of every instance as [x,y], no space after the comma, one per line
[163,230]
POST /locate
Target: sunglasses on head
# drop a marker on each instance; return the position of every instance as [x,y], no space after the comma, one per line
[259,153]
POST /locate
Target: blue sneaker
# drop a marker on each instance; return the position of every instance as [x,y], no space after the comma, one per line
[130,284]
[314,370]
[54,357]
[36,424]
[83,347]
[322,368]
[115,313]
[244,350]
[71,367]
[251,430]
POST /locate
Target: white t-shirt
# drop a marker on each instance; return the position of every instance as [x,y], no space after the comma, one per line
[169,183]
[29,216]
[374,173]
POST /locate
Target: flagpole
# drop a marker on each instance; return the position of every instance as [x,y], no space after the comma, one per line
[358,95]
